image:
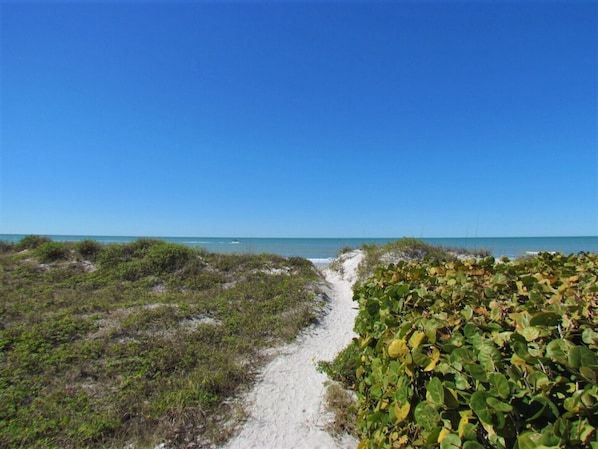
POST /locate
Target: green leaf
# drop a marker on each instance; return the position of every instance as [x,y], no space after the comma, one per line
[500,384]
[472,445]
[558,350]
[546,319]
[481,407]
[435,391]
[498,405]
[450,441]
[590,337]
[471,331]
[477,372]
[528,440]
[419,358]
[372,307]
[530,333]
[582,356]
[588,373]
[426,415]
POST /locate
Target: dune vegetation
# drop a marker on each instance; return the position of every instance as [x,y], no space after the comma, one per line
[474,353]
[139,343]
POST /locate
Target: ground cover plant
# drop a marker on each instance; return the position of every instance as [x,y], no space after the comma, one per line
[409,249]
[139,343]
[478,353]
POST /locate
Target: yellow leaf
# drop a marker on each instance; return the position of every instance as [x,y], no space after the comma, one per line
[516,360]
[402,411]
[397,348]
[443,433]
[434,357]
[416,339]
[464,420]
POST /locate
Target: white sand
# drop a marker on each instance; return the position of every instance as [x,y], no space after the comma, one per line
[286,408]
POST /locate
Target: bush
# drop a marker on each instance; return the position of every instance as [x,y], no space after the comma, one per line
[110,256]
[88,249]
[476,354]
[344,366]
[31,242]
[51,252]
[168,257]
[141,247]
[6,247]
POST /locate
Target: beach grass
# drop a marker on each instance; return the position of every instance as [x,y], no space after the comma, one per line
[138,343]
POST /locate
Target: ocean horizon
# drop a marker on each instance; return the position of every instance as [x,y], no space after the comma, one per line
[322,250]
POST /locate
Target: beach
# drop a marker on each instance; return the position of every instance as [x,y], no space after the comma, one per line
[286,407]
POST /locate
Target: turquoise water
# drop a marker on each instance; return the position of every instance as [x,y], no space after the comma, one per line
[322,249]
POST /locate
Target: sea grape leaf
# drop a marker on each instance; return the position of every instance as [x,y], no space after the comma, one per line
[461,382]
[590,337]
[401,410]
[460,357]
[435,391]
[426,415]
[558,350]
[546,319]
[433,435]
[472,445]
[419,358]
[581,356]
[397,348]
[500,384]
[434,357]
[539,380]
[535,296]
[528,440]
[530,333]
[467,312]
[372,307]
[471,331]
[450,441]
[477,372]
[498,405]
[588,373]
[451,400]
[481,407]
[416,339]
[485,413]
[488,355]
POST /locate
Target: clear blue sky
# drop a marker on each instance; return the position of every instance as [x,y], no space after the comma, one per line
[299,119]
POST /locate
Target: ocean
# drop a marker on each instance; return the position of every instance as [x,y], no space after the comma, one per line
[322,250]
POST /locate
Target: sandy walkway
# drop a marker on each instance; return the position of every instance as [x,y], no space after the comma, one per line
[286,409]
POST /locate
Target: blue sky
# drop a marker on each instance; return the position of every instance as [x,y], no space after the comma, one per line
[299,119]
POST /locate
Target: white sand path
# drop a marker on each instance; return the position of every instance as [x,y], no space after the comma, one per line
[286,407]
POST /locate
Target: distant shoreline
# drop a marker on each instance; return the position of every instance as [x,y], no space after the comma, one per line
[322,249]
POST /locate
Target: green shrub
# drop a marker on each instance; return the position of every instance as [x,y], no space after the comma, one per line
[88,249]
[6,247]
[51,252]
[477,354]
[141,247]
[110,256]
[32,242]
[344,367]
[168,257]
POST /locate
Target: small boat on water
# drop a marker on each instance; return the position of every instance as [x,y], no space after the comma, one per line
[235,242]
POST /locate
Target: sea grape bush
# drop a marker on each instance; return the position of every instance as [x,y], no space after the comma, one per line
[480,354]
